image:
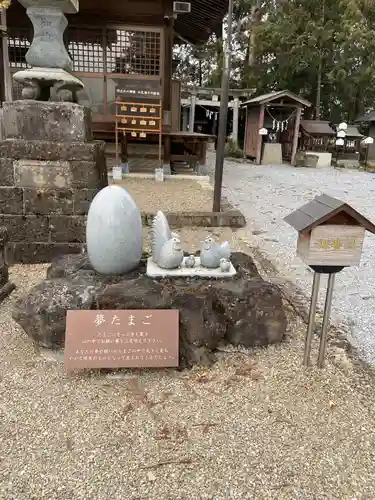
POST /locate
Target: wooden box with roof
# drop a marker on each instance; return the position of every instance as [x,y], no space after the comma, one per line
[330,232]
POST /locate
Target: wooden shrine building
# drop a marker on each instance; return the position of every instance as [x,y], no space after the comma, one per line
[317,136]
[279,113]
[112,42]
[367,123]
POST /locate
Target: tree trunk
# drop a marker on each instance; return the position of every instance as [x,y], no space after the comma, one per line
[255,18]
[320,69]
[319,89]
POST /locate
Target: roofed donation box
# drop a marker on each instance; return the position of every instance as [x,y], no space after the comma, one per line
[332,245]
[330,237]
[330,232]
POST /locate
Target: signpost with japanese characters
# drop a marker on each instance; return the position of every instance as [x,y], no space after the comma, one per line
[138,110]
[122,339]
[330,237]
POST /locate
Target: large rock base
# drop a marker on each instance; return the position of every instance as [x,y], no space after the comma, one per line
[242,311]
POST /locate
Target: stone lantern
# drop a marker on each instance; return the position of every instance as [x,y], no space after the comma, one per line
[50,166]
[49,78]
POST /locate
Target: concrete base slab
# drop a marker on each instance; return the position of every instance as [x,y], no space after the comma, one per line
[324,159]
[179,177]
[154,271]
[272,154]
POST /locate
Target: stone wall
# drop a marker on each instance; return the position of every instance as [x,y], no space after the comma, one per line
[50,170]
[45,192]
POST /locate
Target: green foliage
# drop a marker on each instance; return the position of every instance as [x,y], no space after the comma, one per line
[232,150]
[296,42]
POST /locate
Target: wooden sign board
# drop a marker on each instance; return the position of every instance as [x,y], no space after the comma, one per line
[332,245]
[122,339]
[138,90]
[142,111]
[145,123]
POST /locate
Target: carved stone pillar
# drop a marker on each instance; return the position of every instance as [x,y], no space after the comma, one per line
[50,77]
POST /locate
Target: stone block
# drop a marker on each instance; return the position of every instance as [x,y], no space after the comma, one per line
[67,6]
[11,201]
[70,229]
[48,49]
[19,149]
[85,174]
[311,161]
[48,201]
[46,121]
[6,172]
[38,253]
[82,199]
[42,174]
[232,218]
[26,227]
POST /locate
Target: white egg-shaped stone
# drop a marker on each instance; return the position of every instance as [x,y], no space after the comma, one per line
[114,232]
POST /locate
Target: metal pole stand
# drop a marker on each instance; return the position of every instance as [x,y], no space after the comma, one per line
[327,311]
[310,327]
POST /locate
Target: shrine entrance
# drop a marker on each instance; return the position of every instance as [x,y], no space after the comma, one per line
[272,126]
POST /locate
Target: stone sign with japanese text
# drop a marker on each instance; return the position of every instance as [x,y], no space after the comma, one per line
[122,339]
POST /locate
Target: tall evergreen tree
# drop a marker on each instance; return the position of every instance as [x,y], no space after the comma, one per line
[322,49]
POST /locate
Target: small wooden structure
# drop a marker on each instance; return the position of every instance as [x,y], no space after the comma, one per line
[282,111]
[350,152]
[330,232]
[317,136]
[207,100]
[330,237]
[368,125]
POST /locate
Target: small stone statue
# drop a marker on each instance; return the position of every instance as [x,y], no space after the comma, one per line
[225,265]
[166,246]
[190,261]
[212,253]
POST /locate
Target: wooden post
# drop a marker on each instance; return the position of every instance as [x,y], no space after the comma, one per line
[260,137]
[5,55]
[296,134]
[192,112]
[245,137]
[2,72]
[167,84]
[236,117]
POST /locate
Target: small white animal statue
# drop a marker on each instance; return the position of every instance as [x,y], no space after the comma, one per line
[166,246]
[225,265]
[190,261]
[212,253]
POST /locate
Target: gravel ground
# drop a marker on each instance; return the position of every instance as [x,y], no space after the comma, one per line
[266,194]
[173,195]
[255,426]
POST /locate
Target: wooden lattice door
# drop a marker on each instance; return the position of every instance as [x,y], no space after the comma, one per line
[111,55]
[101,57]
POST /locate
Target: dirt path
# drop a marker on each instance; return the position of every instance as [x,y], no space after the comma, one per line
[255,426]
